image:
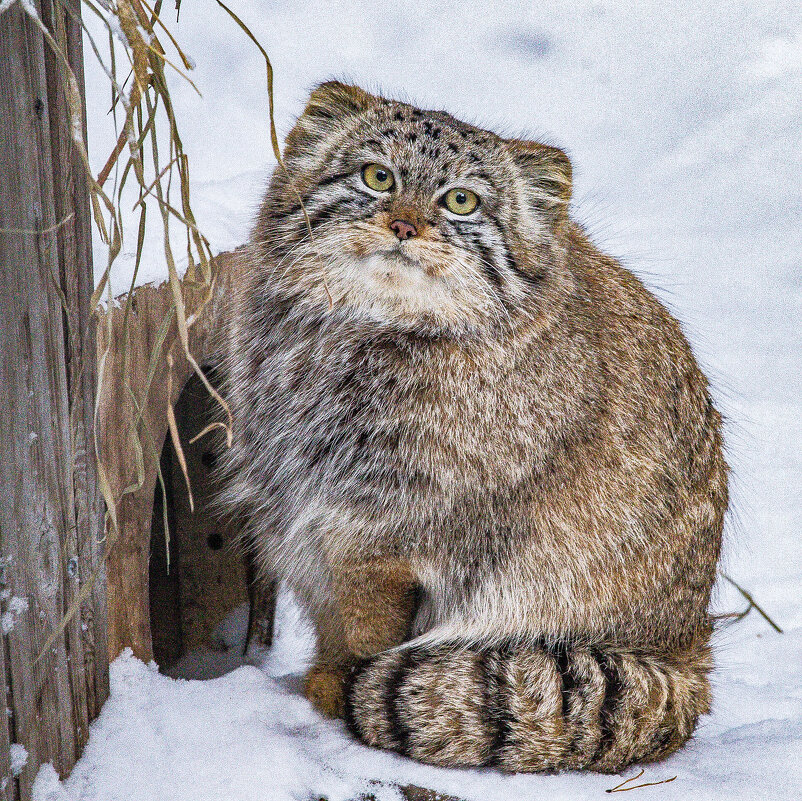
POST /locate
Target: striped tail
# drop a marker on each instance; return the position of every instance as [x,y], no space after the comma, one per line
[529,708]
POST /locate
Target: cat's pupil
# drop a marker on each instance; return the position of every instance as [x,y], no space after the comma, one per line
[381,176]
[461,198]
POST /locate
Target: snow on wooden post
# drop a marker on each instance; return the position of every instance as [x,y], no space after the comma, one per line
[50,510]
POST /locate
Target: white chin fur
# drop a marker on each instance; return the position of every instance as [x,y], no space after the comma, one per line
[393,289]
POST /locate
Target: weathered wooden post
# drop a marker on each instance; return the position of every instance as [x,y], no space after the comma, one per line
[50,509]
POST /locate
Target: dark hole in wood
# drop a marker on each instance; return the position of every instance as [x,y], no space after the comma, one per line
[204,582]
[165,598]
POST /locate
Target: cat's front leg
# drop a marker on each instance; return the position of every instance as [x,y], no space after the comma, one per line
[324,683]
[377,601]
[371,610]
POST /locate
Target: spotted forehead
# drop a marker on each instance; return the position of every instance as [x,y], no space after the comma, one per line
[428,147]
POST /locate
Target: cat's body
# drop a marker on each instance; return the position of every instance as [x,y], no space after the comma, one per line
[488,425]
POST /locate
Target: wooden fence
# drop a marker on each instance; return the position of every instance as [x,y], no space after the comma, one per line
[54,545]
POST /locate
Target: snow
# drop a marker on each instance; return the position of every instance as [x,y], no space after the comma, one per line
[15,607]
[249,734]
[684,124]
[18,757]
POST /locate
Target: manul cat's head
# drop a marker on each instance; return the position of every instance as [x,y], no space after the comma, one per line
[418,221]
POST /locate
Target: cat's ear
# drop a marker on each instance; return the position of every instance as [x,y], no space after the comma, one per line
[335,100]
[547,169]
[329,104]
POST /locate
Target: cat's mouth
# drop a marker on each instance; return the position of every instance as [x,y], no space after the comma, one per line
[395,253]
[394,265]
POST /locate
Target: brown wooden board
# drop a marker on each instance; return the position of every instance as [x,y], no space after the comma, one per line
[7,784]
[49,509]
[129,336]
[76,279]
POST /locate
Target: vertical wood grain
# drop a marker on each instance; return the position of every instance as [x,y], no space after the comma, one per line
[128,562]
[8,788]
[49,507]
[71,197]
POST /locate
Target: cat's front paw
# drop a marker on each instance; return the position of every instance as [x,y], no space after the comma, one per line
[324,686]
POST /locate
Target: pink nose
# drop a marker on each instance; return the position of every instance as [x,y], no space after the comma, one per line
[402,229]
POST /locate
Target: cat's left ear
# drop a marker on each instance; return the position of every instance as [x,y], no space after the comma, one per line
[548,170]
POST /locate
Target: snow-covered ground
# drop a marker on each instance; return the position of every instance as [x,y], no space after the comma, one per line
[684,122]
[251,735]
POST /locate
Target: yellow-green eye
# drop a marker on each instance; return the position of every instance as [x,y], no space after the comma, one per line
[378,178]
[460,201]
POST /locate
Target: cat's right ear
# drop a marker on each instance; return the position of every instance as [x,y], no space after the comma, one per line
[329,103]
[334,100]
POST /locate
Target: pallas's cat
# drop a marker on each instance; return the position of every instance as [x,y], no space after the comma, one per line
[477,449]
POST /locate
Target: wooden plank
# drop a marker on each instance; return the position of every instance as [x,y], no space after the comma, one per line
[78,285]
[209,583]
[33,407]
[48,494]
[82,560]
[131,345]
[34,435]
[8,784]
